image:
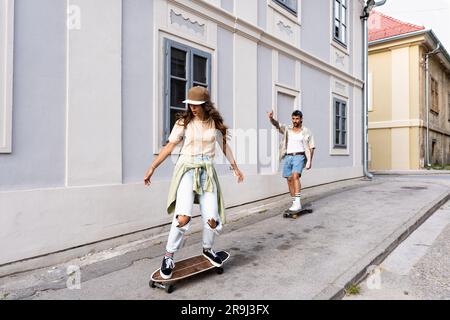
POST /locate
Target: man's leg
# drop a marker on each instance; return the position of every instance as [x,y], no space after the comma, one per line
[297,188]
[290,182]
[296,176]
[287,173]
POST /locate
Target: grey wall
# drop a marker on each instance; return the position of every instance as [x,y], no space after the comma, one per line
[286,70]
[227,5]
[316,116]
[39,97]
[137,86]
[264,105]
[262,14]
[225,67]
[315,37]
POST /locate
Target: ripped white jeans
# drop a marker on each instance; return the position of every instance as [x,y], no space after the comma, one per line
[184,204]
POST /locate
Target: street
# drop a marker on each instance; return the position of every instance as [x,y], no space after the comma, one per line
[314,257]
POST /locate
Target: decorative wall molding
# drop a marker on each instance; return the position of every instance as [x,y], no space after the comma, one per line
[410,123]
[232,23]
[6,73]
[187,22]
[340,59]
[285,28]
[339,88]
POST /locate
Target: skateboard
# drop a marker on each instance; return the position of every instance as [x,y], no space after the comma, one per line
[185,269]
[296,214]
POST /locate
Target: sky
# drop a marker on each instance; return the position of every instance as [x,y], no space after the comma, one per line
[432,14]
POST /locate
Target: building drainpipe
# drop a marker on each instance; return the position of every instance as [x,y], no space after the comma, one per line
[427,103]
[370,4]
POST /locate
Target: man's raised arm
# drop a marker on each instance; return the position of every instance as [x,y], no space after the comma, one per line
[274,122]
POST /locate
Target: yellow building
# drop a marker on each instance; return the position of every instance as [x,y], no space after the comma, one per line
[397,100]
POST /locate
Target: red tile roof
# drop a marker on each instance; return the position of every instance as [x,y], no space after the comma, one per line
[382,26]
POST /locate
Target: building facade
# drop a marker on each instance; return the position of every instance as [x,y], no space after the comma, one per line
[91,89]
[397,104]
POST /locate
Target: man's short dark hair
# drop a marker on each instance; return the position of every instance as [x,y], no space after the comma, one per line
[297,113]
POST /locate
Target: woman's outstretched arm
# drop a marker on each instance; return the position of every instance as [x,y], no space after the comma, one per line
[163,154]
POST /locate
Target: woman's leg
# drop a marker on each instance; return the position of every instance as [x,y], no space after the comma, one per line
[183,213]
[210,217]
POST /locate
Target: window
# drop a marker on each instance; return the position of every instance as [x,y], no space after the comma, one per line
[340,123]
[290,5]
[185,67]
[448,102]
[340,21]
[434,95]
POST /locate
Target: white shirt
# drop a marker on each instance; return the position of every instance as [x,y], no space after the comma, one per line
[199,137]
[295,142]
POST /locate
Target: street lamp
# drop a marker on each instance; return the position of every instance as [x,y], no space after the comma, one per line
[369,5]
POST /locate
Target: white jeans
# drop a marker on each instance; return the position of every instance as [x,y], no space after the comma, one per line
[184,204]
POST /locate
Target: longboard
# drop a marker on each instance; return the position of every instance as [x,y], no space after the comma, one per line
[296,214]
[185,269]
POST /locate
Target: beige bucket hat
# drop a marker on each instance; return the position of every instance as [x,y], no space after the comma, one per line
[197,96]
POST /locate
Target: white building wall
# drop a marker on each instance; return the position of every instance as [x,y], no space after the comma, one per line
[95,204]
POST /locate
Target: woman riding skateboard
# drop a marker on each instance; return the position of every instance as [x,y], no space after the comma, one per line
[195,179]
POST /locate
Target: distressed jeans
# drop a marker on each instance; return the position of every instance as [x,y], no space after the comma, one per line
[183,207]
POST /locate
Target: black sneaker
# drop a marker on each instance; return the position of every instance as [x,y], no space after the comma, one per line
[212,257]
[167,267]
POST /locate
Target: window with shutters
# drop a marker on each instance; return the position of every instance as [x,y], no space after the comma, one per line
[340,123]
[186,67]
[434,106]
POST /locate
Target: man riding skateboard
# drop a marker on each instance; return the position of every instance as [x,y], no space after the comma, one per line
[297,150]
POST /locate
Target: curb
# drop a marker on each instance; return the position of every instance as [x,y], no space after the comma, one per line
[359,271]
[410,172]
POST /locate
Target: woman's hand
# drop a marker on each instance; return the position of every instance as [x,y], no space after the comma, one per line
[239,175]
[148,175]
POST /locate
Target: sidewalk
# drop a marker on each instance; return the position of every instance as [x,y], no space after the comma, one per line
[418,269]
[355,224]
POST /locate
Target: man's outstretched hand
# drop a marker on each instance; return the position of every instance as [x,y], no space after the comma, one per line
[270,115]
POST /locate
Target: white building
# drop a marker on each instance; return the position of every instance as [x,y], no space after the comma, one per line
[88,89]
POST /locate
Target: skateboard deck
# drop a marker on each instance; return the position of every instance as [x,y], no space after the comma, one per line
[296,214]
[186,268]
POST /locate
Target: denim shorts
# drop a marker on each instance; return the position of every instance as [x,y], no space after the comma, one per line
[293,164]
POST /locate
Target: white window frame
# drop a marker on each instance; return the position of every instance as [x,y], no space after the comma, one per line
[344,44]
[340,151]
[6,82]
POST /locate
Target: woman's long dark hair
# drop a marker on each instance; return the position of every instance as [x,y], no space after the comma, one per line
[211,114]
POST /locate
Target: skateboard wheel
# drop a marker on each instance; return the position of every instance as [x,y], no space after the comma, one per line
[219,270]
[169,288]
[152,284]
